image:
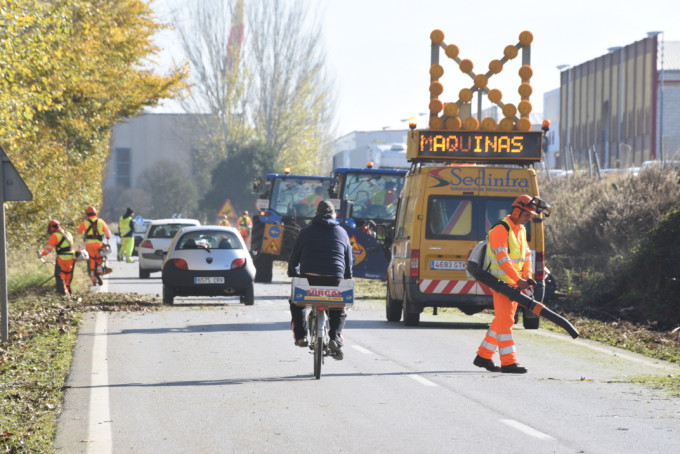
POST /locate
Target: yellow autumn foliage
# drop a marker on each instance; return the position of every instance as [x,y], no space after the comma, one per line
[69,71]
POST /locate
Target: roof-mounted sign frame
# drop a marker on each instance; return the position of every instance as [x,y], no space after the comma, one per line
[474,146]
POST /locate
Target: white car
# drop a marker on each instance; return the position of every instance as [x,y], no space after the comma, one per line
[156,241]
[208,261]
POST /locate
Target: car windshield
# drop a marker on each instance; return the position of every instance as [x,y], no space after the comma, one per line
[374,196]
[209,239]
[166,230]
[298,196]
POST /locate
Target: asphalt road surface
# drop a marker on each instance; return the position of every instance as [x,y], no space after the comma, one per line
[227,378]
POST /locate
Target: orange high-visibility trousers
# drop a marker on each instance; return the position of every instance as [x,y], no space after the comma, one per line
[499,335]
[64,272]
[94,264]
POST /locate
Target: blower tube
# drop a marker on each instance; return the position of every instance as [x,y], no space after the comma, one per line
[523,300]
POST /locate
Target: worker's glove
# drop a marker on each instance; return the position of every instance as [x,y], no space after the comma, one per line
[39,254]
[531,282]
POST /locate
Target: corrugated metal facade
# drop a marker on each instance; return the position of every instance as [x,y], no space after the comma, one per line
[609,105]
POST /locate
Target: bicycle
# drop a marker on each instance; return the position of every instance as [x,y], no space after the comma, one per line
[317,300]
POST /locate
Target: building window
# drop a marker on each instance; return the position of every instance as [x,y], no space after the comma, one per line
[123,167]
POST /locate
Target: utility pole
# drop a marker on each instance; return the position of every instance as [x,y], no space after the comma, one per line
[12,188]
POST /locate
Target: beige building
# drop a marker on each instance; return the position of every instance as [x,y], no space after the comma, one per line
[137,145]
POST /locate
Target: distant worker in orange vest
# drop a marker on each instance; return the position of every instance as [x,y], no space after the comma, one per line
[62,243]
[245,225]
[94,230]
[509,260]
[224,221]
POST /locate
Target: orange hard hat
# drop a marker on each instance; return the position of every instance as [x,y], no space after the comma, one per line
[526,203]
[53,225]
[91,211]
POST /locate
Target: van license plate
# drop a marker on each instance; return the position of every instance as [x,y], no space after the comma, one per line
[209,280]
[455,265]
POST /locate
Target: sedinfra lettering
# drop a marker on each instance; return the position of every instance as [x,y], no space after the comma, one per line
[472,143]
[490,178]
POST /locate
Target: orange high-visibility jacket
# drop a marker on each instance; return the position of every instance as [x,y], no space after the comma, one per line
[508,252]
[63,243]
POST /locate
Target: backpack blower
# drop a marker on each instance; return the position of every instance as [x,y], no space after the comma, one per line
[475,267]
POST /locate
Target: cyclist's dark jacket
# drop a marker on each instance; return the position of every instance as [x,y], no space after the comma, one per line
[322,248]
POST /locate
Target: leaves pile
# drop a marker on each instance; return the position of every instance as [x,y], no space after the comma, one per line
[35,362]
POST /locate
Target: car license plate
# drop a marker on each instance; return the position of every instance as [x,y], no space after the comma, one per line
[209,280]
[455,265]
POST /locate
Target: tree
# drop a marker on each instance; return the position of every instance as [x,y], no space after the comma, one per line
[233,177]
[272,88]
[211,34]
[171,191]
[292,96]
[70,71]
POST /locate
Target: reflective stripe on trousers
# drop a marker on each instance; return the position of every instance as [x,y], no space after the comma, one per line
[499,336]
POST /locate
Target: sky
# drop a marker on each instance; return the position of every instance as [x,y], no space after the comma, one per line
[378,51]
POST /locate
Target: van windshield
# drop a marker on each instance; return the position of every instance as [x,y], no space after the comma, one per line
[465,217]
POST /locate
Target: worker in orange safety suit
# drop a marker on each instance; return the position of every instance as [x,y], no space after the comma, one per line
[224,221]
[94,230]
[62,243]
[245,225]
[509,259]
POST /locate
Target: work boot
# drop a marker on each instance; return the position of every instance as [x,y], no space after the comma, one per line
[336,350]
[99,280]
[513,369]
[486,364]
[301,342]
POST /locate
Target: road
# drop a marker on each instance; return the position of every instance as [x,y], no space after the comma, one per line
[227,378]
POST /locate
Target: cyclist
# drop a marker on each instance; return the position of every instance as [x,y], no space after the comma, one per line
[322,253]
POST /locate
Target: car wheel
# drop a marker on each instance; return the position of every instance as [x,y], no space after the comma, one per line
[263,267]
[249,297]
[410,318]
[392,307]
[168,294]
[144,274]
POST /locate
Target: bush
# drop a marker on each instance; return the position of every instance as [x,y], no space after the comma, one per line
[610,241]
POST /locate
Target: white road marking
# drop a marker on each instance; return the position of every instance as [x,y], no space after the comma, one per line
[526,429]
[363,350]
[99,426]
[421,380]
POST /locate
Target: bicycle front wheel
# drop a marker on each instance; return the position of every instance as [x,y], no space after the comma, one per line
[318,348]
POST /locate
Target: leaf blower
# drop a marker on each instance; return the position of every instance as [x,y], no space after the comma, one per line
[477,271]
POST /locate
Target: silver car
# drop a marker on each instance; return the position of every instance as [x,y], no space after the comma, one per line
[156,242]
[208,261]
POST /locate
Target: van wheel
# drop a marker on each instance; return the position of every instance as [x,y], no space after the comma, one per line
[410,318]
[392,307]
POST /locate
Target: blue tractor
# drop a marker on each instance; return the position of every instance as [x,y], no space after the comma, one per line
[367,200]
[286,204]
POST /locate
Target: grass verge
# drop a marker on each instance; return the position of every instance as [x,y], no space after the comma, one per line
[34,364]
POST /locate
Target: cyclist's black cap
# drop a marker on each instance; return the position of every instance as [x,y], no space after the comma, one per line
[325,207]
